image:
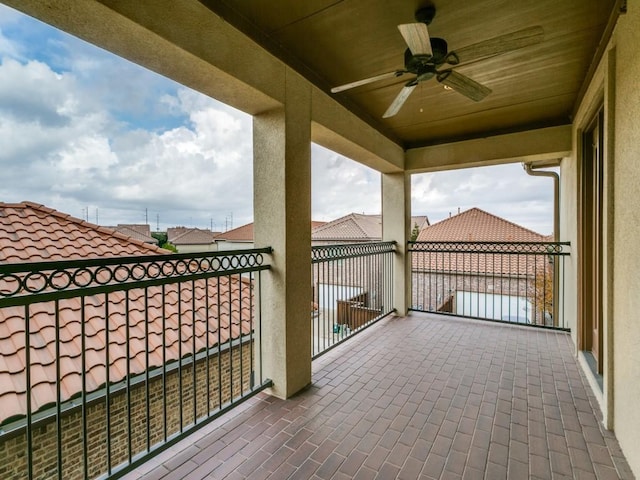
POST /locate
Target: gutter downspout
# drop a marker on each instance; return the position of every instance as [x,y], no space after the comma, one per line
[556,195]
[556,232]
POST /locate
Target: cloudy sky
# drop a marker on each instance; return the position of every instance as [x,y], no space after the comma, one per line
[95,136]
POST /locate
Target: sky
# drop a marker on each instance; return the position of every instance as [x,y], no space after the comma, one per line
[93,135]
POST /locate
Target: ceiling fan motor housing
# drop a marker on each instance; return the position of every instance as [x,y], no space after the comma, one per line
[425,65]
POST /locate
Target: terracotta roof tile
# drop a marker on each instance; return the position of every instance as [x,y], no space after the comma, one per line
[476,225]
[243,233]
[356,227]
[25,228]
[194,236]
[140,232]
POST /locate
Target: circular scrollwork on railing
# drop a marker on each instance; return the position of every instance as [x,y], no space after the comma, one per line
[533,248]
[335,252]
[86,275]
[35,282]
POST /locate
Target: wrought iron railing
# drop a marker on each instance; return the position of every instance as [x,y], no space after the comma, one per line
[515,282]
[353,288]
[106,362]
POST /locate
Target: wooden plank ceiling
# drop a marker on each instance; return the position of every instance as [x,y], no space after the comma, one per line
[333,42]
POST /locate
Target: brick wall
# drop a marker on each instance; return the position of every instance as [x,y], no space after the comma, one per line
[44,439]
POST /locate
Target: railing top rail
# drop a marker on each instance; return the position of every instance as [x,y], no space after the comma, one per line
[320,253]
[24,267]
[508,248]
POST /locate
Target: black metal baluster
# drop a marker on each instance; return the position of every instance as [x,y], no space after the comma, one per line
[107,365]
[128,381]
[27,360]
[194,379]
[58,392]
[83,376]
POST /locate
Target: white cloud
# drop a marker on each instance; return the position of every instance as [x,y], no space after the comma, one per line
[504,190]
[341,186]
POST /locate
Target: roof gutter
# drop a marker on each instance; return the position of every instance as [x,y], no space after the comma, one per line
[531,170]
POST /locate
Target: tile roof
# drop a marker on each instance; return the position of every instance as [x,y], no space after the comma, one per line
[476,225]
[194,236]
[30,232]
[138,231]
[173,232]
[356,227]
[243,233]
[316,224]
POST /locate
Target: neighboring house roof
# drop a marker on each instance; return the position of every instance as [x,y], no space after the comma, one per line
[476,225]
[31,232]
[194,236]
[173,232]
[357,227]
[243,233]
[316,224]
[140,232]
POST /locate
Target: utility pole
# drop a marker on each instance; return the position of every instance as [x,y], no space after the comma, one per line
[157,222]
[146,216]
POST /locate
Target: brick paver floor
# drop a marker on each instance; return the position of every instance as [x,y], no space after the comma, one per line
[418,397]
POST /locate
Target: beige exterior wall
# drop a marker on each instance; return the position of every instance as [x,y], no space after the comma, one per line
[13,463]
[616,87]
[226,246]
[206,247]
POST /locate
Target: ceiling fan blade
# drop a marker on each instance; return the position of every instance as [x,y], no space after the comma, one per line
[365,81]
[464,85]
[416,35]
[396,105]
[496,45]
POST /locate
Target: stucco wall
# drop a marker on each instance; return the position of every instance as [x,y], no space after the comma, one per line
[569,232]
[626,258]
[616,86]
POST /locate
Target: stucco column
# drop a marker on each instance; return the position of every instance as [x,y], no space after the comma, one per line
[282,210]
[396,225]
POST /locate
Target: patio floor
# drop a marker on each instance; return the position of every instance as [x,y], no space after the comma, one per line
[424,396]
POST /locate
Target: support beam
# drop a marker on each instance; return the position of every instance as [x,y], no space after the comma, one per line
[282,208]
[530,146]
[337,129]
[396,225]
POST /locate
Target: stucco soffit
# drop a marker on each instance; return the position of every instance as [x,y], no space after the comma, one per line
[529,146]
[338,129]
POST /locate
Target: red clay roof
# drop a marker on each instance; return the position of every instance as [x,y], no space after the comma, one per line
[243,233]
[194,236]
[476,225]
[138,231]
[356,227]
[31,232]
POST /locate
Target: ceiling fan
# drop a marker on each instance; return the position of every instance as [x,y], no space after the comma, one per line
[426,55]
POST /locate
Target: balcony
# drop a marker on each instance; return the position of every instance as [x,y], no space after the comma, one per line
[424,396]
